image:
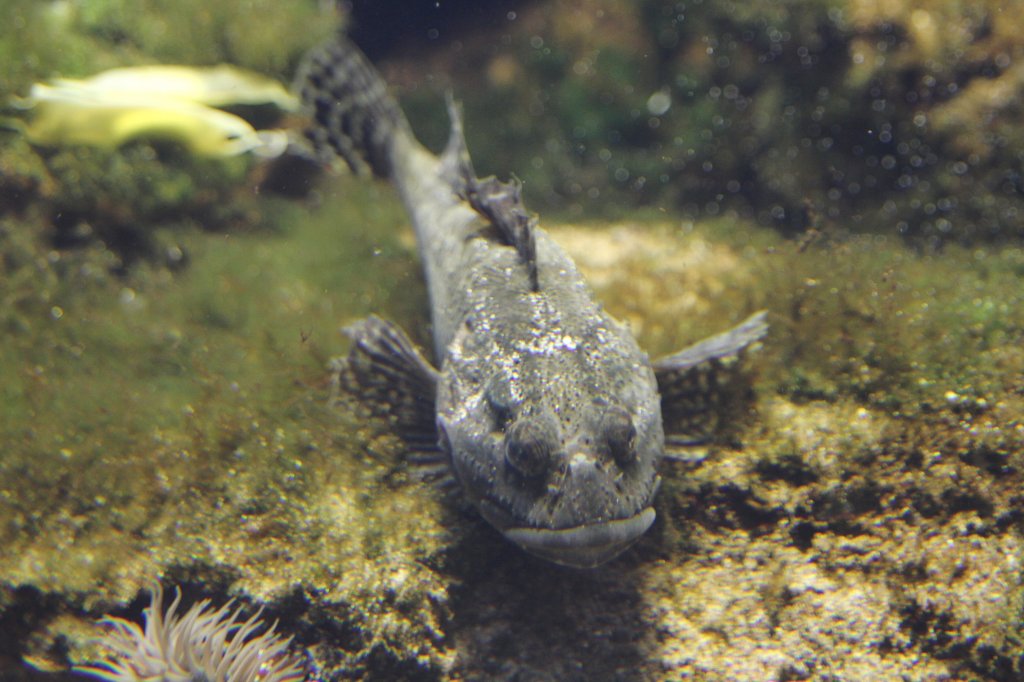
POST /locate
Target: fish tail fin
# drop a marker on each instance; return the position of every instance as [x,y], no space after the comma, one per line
[353,114]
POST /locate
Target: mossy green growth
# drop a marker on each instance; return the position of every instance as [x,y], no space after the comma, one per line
[182,423]
[120,196]
[896,117]
[269,37]
[29,35]
[903,331]
[42,40]
[185,422]
[887,436]
[853,317]
[130,200]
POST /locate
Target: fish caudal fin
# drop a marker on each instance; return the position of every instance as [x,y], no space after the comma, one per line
[354,116]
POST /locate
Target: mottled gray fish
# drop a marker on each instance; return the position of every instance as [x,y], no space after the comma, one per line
[543,408]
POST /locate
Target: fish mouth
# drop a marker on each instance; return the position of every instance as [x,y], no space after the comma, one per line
[583,546]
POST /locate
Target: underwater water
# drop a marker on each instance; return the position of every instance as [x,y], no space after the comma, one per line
[852,167]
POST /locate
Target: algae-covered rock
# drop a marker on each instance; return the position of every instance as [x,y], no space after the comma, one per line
[141,442]
[885,117]
[869,530]
[268,37]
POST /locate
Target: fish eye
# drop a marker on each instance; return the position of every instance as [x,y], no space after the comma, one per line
[531,444]
[620,434]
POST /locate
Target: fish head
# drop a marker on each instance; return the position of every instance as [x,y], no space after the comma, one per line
[556,437]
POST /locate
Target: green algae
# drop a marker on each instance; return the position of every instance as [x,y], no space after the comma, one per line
[886,442]
[93,36]
[263,36]
[184,424]
[26,40]
[186,421]
[862,316]
[896,118]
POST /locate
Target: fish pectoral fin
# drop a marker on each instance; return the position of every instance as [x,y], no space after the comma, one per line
[718,347]
[387,374]
[699,383]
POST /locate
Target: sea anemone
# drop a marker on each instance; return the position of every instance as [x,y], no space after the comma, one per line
[203,645]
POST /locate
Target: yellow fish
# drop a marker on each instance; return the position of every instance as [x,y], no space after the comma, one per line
[157,102]
[215,86]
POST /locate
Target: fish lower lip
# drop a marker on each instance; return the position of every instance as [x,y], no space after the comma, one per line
[583,546]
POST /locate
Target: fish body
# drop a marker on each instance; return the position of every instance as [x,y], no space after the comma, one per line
[215,86]
[156,102]
[543,408]
[69,115]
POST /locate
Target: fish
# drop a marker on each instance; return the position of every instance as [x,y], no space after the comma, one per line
[538,404]
[223,85]
[121,105]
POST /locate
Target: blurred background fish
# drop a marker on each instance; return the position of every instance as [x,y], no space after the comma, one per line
[178,103]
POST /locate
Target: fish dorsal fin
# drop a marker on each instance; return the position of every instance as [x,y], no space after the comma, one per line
[393,380]
[698,381]
[501,203]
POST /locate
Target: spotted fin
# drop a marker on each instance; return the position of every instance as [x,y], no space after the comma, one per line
[389,376]
[353,114]
[698,381]
[501,203]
